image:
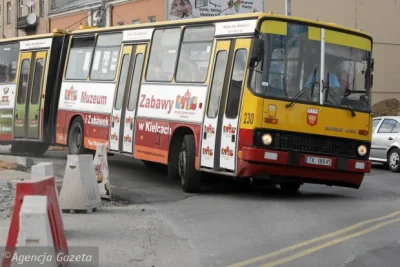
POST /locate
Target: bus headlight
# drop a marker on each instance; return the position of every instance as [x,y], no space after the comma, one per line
[266,139]
[362,150]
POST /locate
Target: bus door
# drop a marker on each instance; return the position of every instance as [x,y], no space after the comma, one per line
[124,110]
[221,123]
[29,91]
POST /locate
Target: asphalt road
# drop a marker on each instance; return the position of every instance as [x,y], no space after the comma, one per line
[224,226]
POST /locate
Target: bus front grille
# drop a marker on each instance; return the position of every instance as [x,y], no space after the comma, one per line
[315,144]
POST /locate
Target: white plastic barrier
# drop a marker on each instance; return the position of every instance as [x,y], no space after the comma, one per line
[80,191]
[34,231]
[44,170]
[102,173]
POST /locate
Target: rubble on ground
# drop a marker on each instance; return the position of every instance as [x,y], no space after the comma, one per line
[7,195]
[388,107]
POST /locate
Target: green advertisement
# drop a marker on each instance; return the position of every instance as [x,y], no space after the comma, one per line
[6,121]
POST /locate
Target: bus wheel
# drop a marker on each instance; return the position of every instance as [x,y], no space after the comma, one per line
[190,177]
[290,187]
[75,137]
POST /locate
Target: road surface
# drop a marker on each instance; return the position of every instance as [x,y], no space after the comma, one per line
[223,226]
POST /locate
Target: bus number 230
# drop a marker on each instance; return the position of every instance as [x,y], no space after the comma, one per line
[248,118]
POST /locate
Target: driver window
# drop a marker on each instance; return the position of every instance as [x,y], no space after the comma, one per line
[387,126]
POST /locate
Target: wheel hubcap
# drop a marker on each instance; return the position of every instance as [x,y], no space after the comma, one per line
[394,160]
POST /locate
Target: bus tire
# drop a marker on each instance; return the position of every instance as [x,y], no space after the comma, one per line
[76,137]
[190,177]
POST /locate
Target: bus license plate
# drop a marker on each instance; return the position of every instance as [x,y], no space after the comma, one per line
[319,161]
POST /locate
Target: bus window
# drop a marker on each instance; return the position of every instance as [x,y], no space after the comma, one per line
[163,54]
[37,78]
[80,56]
[217,84]
[195,53]
[235,87]
[8,62]
[135,82]
[23,81]
[122,81]
[106,56]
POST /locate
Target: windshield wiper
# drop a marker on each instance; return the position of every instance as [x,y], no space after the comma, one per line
[337,98]
[305,90]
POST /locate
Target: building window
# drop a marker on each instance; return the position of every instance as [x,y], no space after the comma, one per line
[8,12]
[121,23]
[136,21]
[41,7]
[152,19]
[21,8]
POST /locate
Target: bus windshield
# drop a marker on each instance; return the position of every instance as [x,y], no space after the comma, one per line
[292,65]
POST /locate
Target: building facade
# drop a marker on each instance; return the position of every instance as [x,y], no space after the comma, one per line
[23,17]
[119,12]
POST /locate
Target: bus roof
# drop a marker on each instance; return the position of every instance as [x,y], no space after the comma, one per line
[30,37]
[257,16]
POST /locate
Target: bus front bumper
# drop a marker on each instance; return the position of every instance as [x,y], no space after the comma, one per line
[323,170]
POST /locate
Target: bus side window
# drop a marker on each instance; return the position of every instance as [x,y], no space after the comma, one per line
[195,54]
[163,54]
[137,73]
[235,87]
[37,80]
[23,81]
[217,84]
[106,57]
[80,56]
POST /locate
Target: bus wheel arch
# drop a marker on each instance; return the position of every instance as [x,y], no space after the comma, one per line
[76,132]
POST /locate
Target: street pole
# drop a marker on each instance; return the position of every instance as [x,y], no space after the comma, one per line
[288,7]
[103,13]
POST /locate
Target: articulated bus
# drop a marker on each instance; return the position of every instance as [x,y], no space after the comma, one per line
[252,96]
[30,79]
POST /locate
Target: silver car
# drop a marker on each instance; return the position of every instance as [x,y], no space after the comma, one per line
[386,142]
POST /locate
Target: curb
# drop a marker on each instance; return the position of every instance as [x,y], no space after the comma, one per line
[23,161]
[56,148]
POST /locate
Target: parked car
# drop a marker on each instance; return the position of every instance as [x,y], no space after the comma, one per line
[385,146]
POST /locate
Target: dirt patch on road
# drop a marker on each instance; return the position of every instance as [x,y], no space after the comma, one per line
[388,107]
[11,166]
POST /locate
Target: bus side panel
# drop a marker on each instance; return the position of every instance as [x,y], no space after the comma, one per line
[97,130]
[62,127]
[153,138]
[54,79]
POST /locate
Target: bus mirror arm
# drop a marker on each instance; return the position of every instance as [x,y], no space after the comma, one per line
[256,52]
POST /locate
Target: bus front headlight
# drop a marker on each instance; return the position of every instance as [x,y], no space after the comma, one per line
[266,139]
[362,150]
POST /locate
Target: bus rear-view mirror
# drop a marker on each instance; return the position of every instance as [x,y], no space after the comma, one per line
[256,52]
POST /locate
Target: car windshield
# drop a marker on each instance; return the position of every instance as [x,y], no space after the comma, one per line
[292,64]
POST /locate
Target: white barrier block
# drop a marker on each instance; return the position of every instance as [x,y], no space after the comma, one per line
[34,235]
[101,168]
[42,170]
[79,190]
[45,170]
